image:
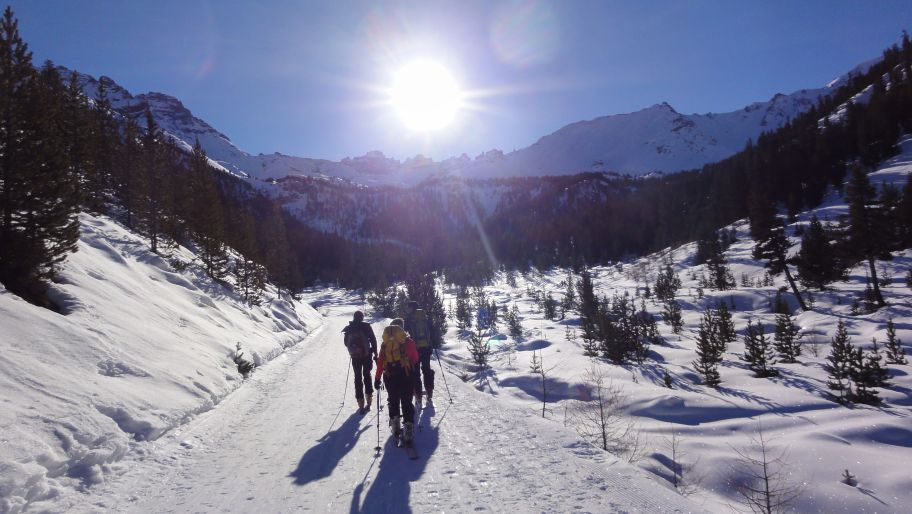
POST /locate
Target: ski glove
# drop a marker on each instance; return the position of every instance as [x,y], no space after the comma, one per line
[377,384]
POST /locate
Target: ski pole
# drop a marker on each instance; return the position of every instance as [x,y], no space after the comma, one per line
[345,393]
[444,375]
[377,448]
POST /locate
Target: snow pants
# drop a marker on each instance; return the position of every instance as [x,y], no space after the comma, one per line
[399,395]
[362,367]
[424,369]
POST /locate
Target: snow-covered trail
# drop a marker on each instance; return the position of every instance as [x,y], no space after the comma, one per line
[284,443]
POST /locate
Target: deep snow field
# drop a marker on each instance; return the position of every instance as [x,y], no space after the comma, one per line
[820,438]
[142,349]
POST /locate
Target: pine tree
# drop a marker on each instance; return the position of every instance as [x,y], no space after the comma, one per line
[865,234]
[758,352]
[154,200]
[774,249]
[816,263]
[102,147]
[787,338]
[514,322]
[38,187]
[249,275]
[724,323]
[905,214]
[667,284]
[839,363]
[894,349]
[863,372]
[206,215]
[708,358]
[671,315]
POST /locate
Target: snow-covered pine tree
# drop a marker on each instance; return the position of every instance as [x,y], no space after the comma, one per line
[787,338]
[895,353]
[758,351]
[839,363]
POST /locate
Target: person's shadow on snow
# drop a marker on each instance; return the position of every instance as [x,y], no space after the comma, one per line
[320,460]
[390,489]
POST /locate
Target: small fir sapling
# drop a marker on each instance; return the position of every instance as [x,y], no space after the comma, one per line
[787,338]
[758,351]
[894,350]
[839,363]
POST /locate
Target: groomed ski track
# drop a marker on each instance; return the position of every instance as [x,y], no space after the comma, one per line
[283,443]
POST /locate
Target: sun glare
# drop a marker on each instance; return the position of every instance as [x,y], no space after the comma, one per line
[425,96]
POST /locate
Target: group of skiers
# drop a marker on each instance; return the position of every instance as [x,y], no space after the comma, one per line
[403,364]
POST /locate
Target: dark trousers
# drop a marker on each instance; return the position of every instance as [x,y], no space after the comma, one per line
[362,367]
[399,395]
[424,368]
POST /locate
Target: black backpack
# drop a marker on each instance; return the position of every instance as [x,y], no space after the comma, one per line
[356,342]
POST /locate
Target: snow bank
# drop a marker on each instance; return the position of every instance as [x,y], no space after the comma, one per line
[141,349]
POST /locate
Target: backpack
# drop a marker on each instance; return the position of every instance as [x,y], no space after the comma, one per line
[419,326]
[356,342]
[394,357]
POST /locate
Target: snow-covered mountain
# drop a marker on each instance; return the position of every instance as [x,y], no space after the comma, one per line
[657,138]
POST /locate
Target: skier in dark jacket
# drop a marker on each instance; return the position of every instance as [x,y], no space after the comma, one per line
[419,327]
[362,347]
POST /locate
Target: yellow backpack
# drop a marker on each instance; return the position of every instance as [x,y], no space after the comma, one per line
[393,349]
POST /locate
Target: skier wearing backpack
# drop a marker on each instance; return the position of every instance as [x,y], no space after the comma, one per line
[395,364]
[362,347]
[418,326]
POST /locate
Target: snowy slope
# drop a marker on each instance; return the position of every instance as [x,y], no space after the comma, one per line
[657,138]
[141,350]
[286,444]
[820,437]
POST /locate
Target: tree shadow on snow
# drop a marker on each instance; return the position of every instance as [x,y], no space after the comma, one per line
[319,461]
[391,488]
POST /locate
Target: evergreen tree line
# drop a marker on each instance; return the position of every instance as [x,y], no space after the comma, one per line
[62,153]
[614,329]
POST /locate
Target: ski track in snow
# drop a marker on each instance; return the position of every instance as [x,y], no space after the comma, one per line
[284,443]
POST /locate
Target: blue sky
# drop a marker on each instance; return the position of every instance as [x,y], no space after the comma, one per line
[307,78]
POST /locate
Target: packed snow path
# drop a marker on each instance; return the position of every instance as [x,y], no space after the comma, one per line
[284,443]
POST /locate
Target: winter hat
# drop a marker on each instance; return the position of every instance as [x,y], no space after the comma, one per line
[398,322]
[359,316]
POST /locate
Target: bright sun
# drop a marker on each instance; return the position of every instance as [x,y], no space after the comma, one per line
[425,96]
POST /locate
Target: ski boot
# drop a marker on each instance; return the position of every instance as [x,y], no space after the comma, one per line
[370,401]
[408,433]
[430,398]
[360,404]
[395,427]
[417,400]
